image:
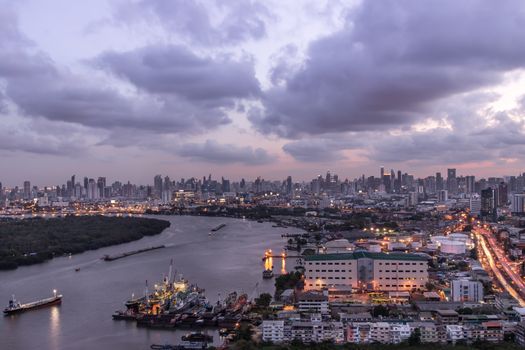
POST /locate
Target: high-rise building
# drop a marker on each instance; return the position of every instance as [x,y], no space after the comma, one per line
[470,183]
[289,185]
[488,203]
[27,190]
[518,203]
[382,173]
[475,205]
[157,185]
[502,198]
[439,182]
[442,196]
[101,186]
[452,183]
[92,191]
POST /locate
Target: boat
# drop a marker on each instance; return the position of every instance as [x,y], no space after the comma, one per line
[268,273]
[15,306]
[124,315]
[196,340]
[77,269]
[218,227]
[133,252]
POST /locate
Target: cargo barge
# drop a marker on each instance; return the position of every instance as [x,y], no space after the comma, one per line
[218,228]
[133,252]
[16,307]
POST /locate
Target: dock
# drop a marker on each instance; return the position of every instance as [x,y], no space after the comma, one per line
[133,252]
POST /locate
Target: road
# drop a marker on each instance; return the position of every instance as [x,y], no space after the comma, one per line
[500,264]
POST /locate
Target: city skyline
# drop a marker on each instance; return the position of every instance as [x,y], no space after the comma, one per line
[256,88]
[238,177]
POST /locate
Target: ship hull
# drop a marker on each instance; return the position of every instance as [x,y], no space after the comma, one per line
[54,301]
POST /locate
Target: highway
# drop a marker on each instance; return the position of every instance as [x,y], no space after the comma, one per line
[499,263]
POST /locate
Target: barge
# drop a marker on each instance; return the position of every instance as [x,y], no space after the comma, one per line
[16,307]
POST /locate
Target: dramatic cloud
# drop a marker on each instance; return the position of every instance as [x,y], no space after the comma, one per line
[320,149]
[41,89]
[39,138]
[213,152]
[391,61]
[504,139]
[176,70]
[207,23]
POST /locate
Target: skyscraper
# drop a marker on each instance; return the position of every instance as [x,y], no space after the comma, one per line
[101,186]
[27,190]
[439,182]
[157,185]
[289,185]
[488,203]
[452,184]
[471,181]
[518,203]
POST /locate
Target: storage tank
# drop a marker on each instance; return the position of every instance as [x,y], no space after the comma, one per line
[458,236]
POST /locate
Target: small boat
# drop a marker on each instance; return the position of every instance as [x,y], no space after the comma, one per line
[15,306]
[268,273]
[218,227]
[196,340]
[124,315]
[77,269]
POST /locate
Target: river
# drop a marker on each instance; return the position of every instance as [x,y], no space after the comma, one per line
[228,260]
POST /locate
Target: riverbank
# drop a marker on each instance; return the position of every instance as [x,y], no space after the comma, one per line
[33,241]
[226,261]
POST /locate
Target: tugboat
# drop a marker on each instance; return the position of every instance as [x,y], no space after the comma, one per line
[15,306]
[268,273]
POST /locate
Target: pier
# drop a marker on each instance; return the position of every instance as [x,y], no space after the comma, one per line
[269,255]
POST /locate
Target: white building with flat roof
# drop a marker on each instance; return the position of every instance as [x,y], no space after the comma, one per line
[367,271]
[466,290]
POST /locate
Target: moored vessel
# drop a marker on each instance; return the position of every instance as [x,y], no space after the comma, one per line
[15,306]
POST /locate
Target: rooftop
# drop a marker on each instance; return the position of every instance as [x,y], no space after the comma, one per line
[363,254]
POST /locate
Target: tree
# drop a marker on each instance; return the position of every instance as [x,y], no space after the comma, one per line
[465,311]
[462,266]
[415,337]
[380,310]
[263,300]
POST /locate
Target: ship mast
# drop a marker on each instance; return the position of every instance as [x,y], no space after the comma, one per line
[170,271]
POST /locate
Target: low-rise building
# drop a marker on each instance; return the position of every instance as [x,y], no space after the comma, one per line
[273,331]
[447,316]
[313,302]
[466,290]
[454,333]
[366,270]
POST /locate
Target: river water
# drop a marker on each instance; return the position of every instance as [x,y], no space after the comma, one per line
[228,260]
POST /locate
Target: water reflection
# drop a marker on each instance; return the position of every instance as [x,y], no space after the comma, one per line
[54,326]
[230,260]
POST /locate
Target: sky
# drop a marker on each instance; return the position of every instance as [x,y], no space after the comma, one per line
[241,88]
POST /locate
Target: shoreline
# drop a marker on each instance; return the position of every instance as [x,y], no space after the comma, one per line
[46,256]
